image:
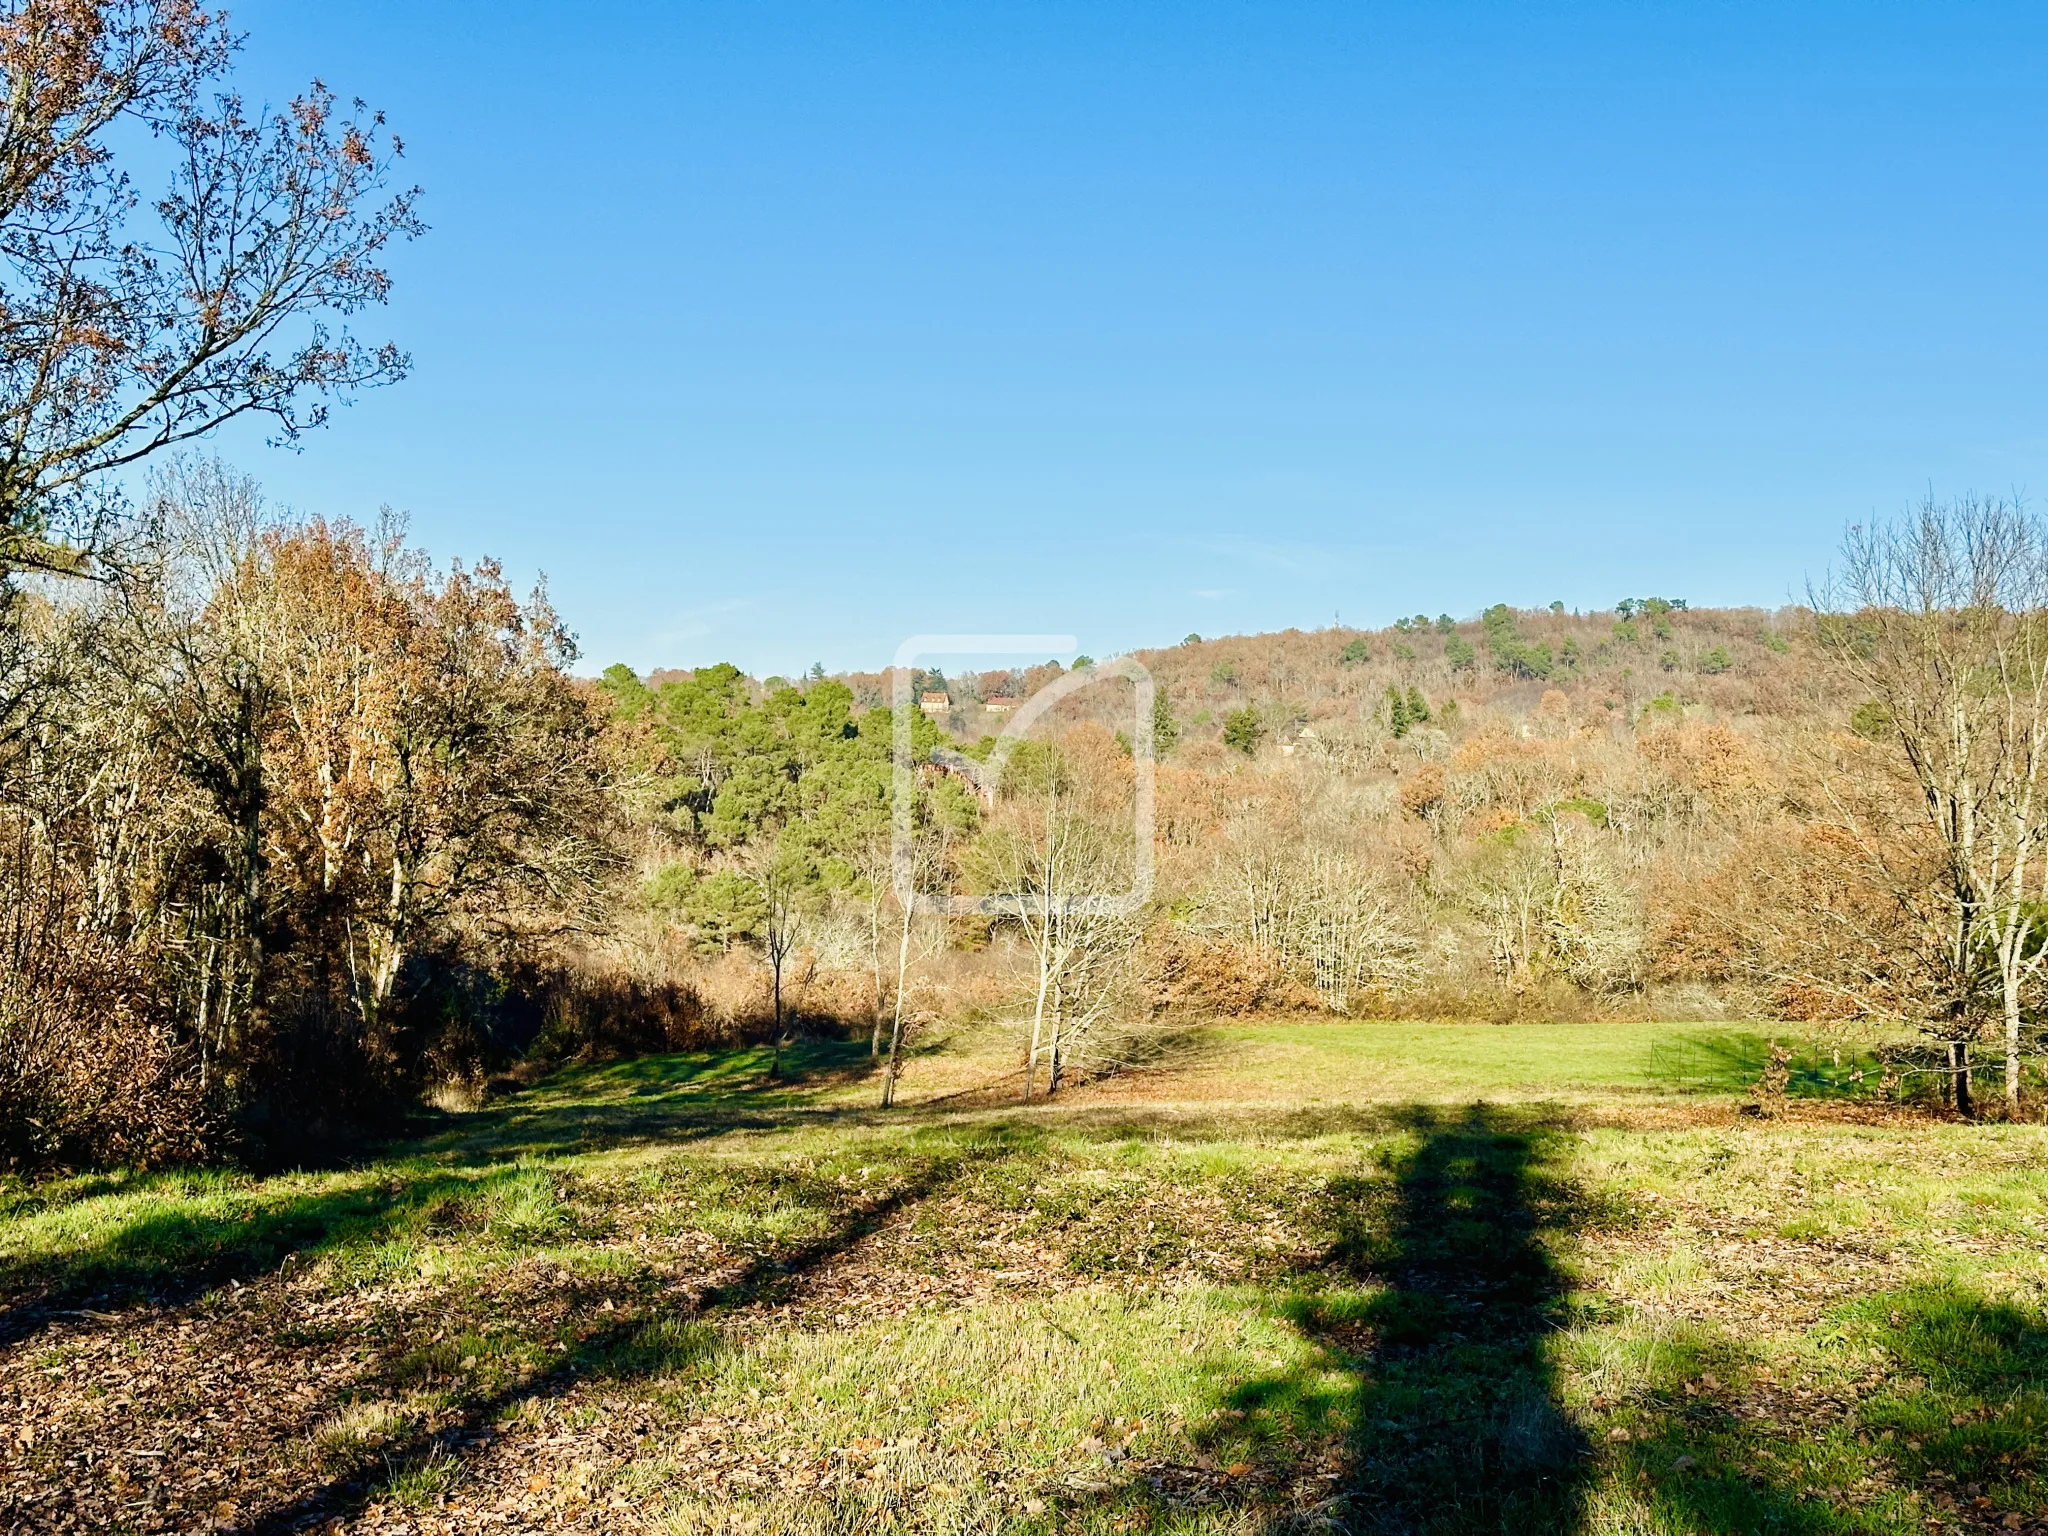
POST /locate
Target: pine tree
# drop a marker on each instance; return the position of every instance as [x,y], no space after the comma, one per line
[1165,728]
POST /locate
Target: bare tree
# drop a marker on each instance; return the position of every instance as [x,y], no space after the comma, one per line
[1351,933]
[914,946]
[1594,924]
[1062,866]
[130,323]
[937,818]
[1940,620]
[196,661]
[784,881]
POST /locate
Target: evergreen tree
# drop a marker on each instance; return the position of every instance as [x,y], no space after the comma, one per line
[1243,729]
[1165,728]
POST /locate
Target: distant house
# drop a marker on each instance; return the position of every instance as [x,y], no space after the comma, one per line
[1305,740]
[934,703]
[999,704]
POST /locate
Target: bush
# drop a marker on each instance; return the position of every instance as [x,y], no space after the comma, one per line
[594,1015]
[92,1072]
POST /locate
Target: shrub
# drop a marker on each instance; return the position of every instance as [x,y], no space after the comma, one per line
[92,1072]
[1870,719]
[596,1015]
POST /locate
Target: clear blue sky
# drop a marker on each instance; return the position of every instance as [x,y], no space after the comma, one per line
[777,332]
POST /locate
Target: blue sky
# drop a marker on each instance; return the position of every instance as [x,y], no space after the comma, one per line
[778,332]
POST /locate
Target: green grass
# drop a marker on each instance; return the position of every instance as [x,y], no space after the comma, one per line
[1436,1063]
[1309,1277]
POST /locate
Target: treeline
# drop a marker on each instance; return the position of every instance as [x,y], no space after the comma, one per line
[1366,832]
[286,814]
[1652,810]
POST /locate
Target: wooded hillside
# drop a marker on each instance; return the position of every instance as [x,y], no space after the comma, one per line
[1649,810]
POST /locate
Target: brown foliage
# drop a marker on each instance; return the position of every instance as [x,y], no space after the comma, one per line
[598,1012]
[93,1070]
[1422,792]
[1199,975]
[1710,757]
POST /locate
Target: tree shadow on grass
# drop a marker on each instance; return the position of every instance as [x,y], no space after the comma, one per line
[172,1241]
[650,1336]
[648,1099]
[1439,1292]
[1731,1062]
[1948,1429]
[165,1239]
[1439,1300]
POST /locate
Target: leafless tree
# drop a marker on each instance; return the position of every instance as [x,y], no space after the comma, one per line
[1350,931]
[1062,866]
[784,884]
[1940,621]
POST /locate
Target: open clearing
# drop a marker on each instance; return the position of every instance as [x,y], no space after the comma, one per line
[1300,1277]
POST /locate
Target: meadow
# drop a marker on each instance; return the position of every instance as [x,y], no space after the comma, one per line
[1292,1278]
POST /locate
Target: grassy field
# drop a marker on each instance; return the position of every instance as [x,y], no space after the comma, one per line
[1371,1277]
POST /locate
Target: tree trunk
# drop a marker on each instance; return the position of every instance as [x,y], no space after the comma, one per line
[896,1028]
[775,971]
[1059,1008]
[875,954]
[2012,1044]
[895,1057]
[1959,1073]
[1037,1024]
